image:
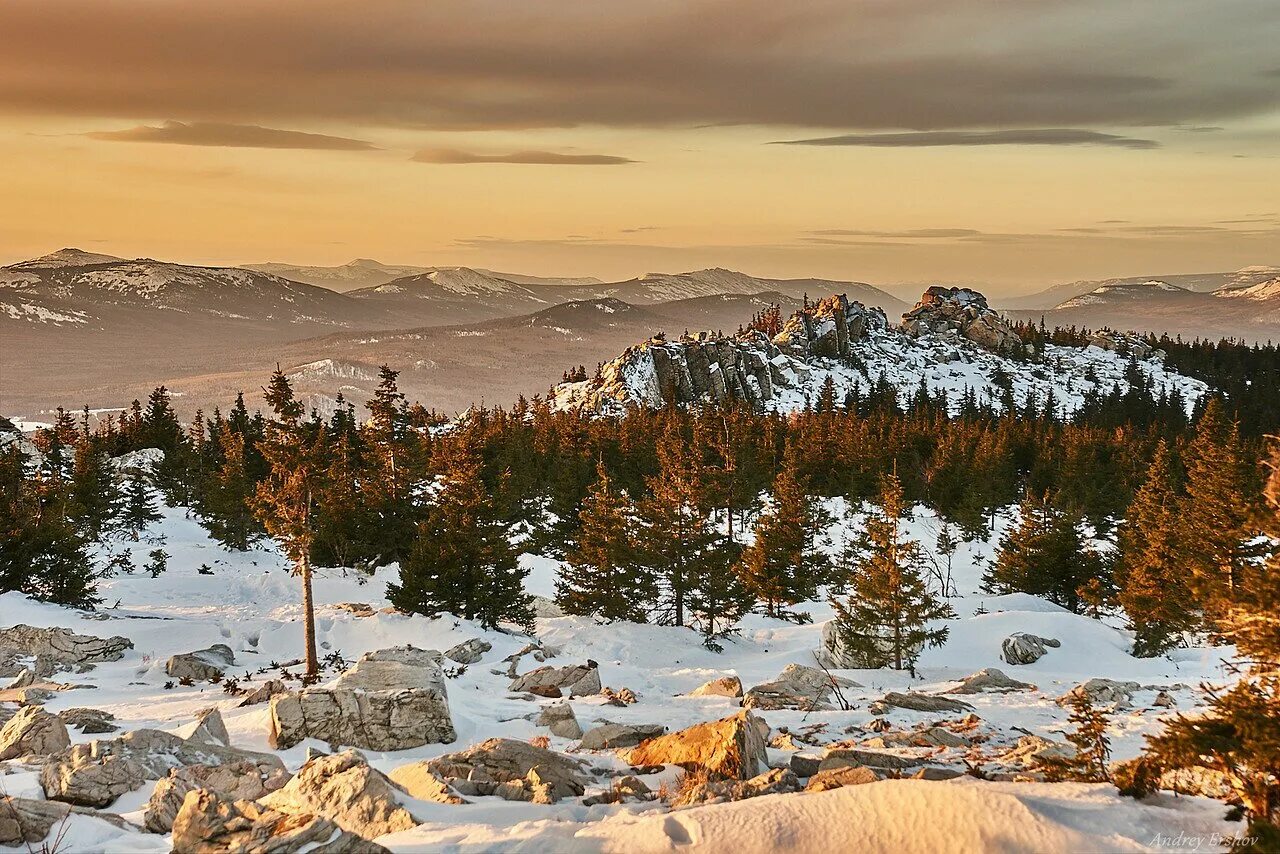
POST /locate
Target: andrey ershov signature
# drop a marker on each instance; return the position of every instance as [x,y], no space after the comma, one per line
[1190,842]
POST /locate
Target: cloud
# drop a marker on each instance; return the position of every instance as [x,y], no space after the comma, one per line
[872,65]
[231,136]
[929,139]
[541,158]
[910,234]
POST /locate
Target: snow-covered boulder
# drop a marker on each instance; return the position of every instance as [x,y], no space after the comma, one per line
[345,790]
[201,665]
[241,781]
[393,699]
[468,652]
[1102,692]
[834,653]
[1023,648]
[725,686]
[97,773]
[507,760]
[559,718]
[918,702]
[797,687]
[33,732]
[210,822]
[608,736]
[990,679]
[576,680]
[63,647]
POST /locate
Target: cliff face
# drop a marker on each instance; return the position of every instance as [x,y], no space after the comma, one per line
[951,341]
[748,366]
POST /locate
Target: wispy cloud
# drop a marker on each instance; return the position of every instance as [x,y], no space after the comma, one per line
[231,136]
[909,234]
[538,158]
[935,138]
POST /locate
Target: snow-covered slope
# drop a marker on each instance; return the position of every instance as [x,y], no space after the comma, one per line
[360,273]
[1120,292]
[249,601]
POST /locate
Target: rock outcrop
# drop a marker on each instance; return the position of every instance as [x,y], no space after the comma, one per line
[917,702]
[239,781]
[210,824]
[504,760]
[468,652]
[990,679]
[89,721]
[797,687]
[1103,692]
[201,665]
[559,718]
[732,748]
[961,313]
[393,699]
[424,785]
[610,736]
[345,790]
[575,680]
[775,781]
[33,732]
[62,647]
[1023,648]
[97,773]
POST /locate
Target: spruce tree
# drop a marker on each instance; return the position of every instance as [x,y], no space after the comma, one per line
[885,619]
[226,510]
[604,577]
[1089,762]
[138,511]
[1045,555]
[1215,517]
[783,565]
[1151,567]
[462,561]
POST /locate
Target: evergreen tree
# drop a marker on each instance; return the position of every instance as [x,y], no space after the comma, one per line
[95,495]
[784,566]
[1216,514]
[1151,569]
[1089,763]
[284,501]
[462,561]
[885,620]
[1045,555]
[139,511]
[226,509]
[604,577]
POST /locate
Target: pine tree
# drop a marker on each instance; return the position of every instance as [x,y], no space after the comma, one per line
[284,501]
[1151,568]
[604,577]
[784,566]
[462,561]
[1045,555]
[885,620]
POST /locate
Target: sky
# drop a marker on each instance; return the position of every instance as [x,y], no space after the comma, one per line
[1008,144]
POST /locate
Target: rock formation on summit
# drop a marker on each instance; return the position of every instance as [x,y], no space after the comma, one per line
[961,313]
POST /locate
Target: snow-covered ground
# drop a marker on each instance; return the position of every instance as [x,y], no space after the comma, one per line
[250,603]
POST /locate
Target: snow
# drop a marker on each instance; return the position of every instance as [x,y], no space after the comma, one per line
[250,603]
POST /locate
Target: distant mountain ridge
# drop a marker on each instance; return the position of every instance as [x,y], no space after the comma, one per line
[1198,282]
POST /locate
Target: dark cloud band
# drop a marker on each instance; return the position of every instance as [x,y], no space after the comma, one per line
[231,136]
[539,158]
[930,139]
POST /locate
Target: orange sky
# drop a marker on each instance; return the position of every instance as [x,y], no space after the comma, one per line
[1005,145]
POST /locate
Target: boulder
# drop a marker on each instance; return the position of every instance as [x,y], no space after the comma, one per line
[468,652]
[264,692]
[804,764]
[1031,751]
[33,732]
[424,785]
[208,728]
[841,757]
[840,776]
[990,679]
[1102,692]
[393,699]
[937,774]
[62,648]
[725,686]
[546,608]
[345,790]
[934,736]
[1023,648]
[731,748]
[210,824]
[97,773]
[89,721]
[201,665]
[576,680]
[924,702]
[835,654]
[27,822]
[797,687]
[609,736]
[559,718]
[775,781]
[507,760]
[240,781]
